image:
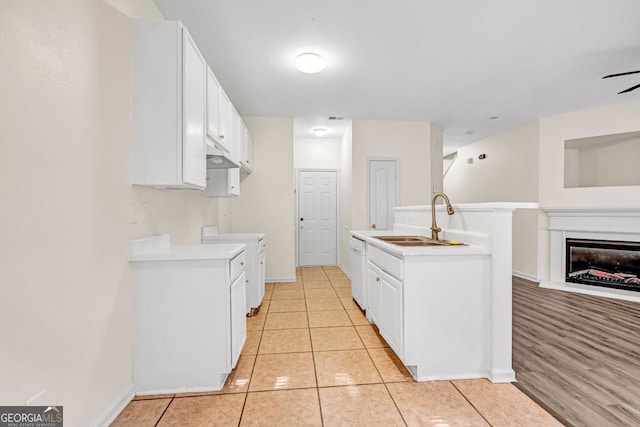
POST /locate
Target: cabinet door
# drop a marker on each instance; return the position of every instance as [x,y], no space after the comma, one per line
[238,317]
[391,313]
[224,116]
[223,182]
[248,150]
[261,276]
[213,106]
[233,188]
[234,134]
[194,77]
[373,283]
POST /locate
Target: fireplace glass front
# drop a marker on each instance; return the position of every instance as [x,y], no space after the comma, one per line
[608,263]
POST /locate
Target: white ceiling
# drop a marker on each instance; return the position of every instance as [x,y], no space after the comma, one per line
[453,62]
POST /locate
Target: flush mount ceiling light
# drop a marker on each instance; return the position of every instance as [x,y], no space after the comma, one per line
[319,131]
[309,63]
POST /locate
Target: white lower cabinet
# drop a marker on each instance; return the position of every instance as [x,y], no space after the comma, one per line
[189,323]
[385,306]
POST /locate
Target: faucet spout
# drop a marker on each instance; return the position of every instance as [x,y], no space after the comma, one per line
[434,227]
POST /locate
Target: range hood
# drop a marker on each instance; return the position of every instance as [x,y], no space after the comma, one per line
[219,159]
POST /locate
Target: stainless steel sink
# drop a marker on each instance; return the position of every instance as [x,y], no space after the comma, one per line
[416,241]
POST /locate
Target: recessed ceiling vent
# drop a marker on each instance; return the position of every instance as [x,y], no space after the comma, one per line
[335,118]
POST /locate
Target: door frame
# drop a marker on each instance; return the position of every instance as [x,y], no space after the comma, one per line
[369,160]
[296,219]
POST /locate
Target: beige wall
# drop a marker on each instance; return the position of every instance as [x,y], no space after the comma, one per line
[408,141]
[508,174]
[580,124]
[317,153]
[345,200]
[267,202]
[66,303]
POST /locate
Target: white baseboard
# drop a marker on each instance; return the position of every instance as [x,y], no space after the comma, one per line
[279,279]
[116,406]
[526,276]
[345,270]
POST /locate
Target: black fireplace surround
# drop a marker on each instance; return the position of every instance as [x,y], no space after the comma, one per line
[608,263]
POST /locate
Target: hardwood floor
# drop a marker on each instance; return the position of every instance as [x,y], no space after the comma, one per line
[577,355]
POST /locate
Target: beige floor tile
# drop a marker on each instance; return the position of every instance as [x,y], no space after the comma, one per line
[357,317]
[280,294]
[343,292]
[341,283]
[282,408]
[316,304]
[283,371]
[288,286]
[335,338]
[317,284]
[504,404]
[323,319]
[287,320]
[269,286]
[285,305]
[389,365]
[349,304]
[141,413]
[252,343]
[267,294]
[370,337]
[345,367]
[434,403]
[224,409]
[365,405]
[256,323]
[264,306]
[319,293]
[284,341]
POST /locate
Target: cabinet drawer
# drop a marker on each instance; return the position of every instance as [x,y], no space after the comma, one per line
[261,245]
[238,265]
[386,262]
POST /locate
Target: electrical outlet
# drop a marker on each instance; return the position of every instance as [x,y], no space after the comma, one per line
[133,213]
[145,212]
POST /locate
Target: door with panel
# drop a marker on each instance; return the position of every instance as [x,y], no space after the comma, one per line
[317,217]
[383,193]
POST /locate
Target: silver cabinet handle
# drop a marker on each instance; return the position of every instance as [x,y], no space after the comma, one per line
[377,279]
[241,264]
[221,136]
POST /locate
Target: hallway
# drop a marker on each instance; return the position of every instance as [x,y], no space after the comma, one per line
[311,358]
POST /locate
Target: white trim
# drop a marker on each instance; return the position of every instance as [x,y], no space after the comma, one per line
[116,407]
[391,159]
[279,279]
[297,226]
[577,288]
[526,276]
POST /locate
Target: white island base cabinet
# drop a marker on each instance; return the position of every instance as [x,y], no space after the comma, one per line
[189,323]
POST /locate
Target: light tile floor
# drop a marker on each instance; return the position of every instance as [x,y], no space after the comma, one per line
[311,358]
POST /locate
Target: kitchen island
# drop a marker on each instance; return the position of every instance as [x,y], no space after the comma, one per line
[445,310]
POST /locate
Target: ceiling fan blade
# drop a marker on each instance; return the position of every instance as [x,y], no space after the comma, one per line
[621,74]
[630,89]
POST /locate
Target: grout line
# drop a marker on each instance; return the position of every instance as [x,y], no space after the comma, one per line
[470,403]
[165,411]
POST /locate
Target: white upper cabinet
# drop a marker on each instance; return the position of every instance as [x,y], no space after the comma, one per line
[169,78]
[223,182]
[246,150]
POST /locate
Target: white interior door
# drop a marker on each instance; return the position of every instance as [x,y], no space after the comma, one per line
[317,218]
[383,193]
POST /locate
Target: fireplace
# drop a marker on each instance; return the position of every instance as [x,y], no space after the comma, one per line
[607,263]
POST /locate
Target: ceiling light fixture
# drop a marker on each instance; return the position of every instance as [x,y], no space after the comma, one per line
[309,63]
[319,131]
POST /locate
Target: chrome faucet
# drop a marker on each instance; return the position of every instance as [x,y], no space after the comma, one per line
[434,228]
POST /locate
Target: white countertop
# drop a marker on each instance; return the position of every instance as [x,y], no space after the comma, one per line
[211,233]
[462,207]
[159,248]
[405,251]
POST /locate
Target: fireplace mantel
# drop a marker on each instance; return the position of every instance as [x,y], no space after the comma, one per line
[611,223]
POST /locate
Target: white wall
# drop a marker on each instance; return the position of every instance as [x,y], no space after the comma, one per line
[345,200]
[267,202]
[317,153]
[508,174]
[66,303]
[408,141]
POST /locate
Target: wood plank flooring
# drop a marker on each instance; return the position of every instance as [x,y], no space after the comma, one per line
[577,355]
